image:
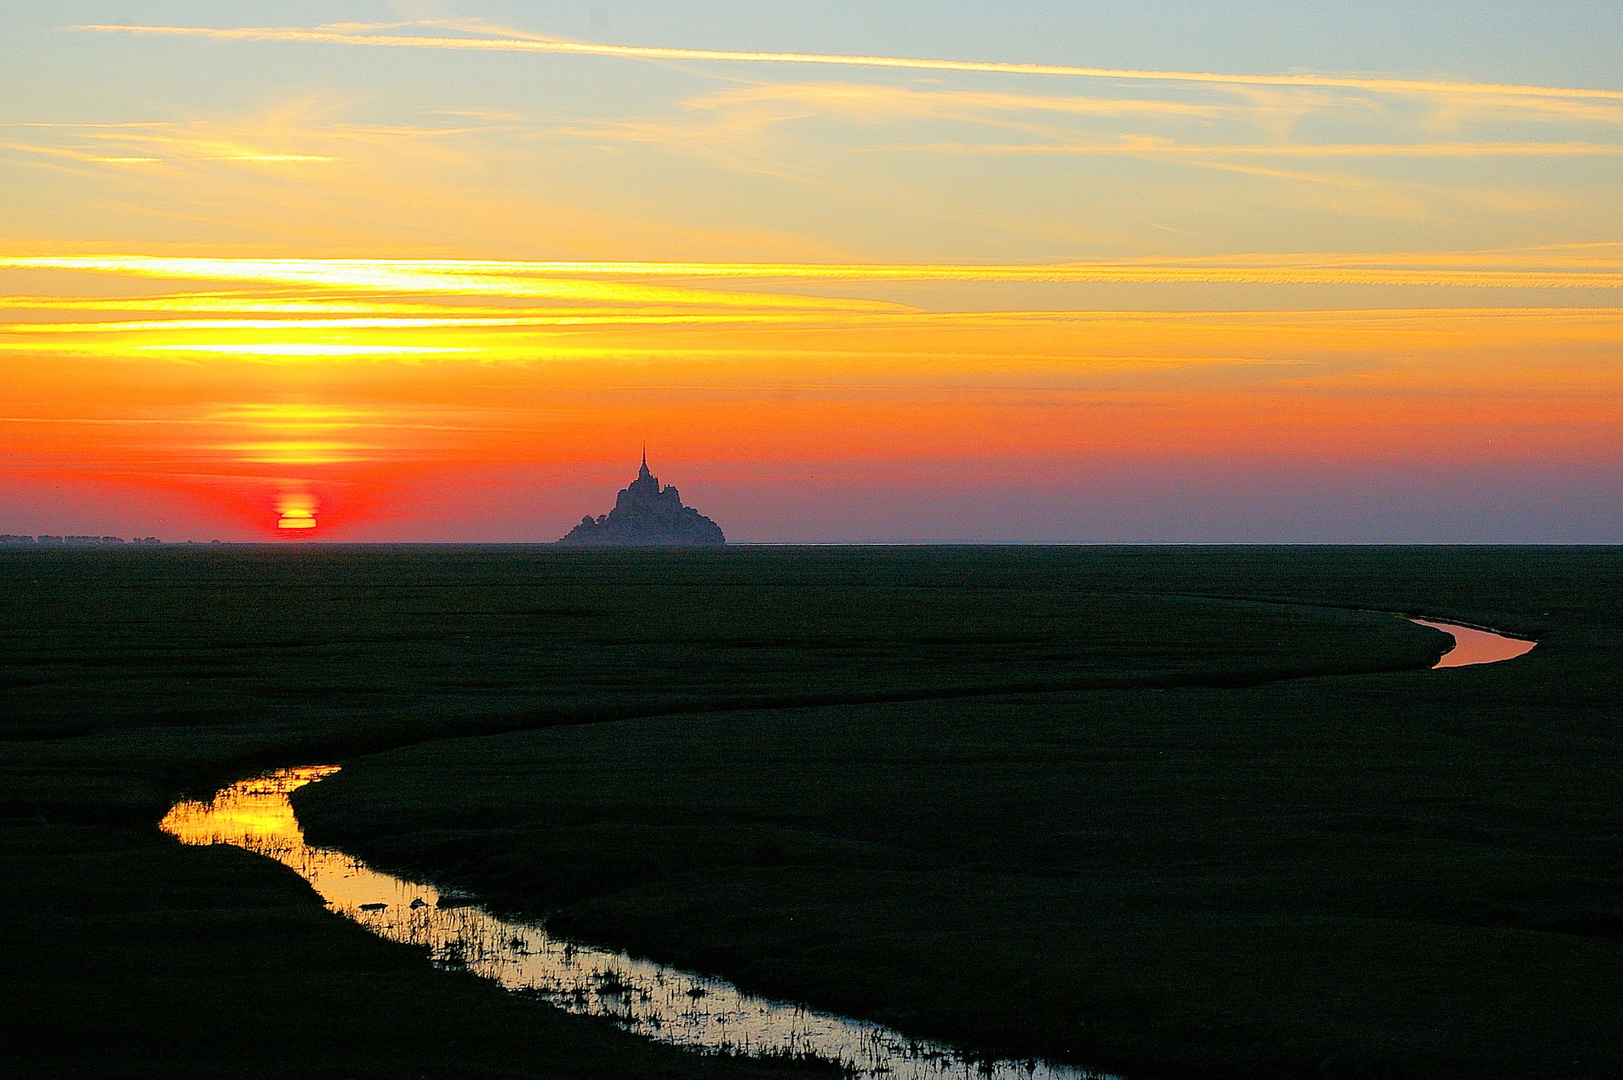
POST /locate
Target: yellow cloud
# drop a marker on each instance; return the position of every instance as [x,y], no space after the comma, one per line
[581,281]
[298,452]
[881,100]
[1150,148]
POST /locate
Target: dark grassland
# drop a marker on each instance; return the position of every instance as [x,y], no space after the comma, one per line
[1171,811]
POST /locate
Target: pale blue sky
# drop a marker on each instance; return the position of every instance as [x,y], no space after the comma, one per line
[613,157]
[1572,44]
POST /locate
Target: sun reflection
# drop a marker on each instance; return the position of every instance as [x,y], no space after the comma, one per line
[255,809]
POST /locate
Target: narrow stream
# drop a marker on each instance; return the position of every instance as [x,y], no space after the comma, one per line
[650,999]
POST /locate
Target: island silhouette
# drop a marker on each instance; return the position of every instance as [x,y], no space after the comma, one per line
[646,515]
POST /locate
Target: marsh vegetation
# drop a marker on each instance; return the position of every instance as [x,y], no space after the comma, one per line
[1169,812]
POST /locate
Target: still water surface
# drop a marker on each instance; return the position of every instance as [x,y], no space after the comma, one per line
[1473,646]
[660,1002]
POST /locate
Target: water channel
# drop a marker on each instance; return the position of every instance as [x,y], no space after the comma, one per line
[1476,646]
[650,999]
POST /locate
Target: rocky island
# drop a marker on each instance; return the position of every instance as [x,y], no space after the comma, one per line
[646,515]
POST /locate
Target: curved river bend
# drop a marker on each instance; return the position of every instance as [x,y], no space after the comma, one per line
[650,999]
[1474,646]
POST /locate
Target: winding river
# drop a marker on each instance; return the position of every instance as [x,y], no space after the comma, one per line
[650,999]
[660,1002]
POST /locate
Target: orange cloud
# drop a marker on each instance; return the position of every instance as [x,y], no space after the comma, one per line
[363,413]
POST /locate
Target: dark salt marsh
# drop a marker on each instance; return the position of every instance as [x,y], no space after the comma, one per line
[658,1002]
[1162,812]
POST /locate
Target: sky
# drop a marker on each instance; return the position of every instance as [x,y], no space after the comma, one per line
[1041,273]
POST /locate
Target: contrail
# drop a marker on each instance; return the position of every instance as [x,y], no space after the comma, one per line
[653,52]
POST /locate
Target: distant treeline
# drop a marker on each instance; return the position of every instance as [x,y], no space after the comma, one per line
[77,541]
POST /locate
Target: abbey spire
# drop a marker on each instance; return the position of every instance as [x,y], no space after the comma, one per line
[646,515]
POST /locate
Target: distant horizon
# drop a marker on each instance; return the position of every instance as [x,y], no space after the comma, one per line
[116,543]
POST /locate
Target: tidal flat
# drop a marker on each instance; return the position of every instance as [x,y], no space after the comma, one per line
[1162,811]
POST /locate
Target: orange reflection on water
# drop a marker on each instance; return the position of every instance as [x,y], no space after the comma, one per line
[1473,646]
[255,814]
[255,809]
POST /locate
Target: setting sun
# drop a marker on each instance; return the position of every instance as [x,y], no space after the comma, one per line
[297,510]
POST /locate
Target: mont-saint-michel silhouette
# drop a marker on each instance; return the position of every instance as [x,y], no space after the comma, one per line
[646,515]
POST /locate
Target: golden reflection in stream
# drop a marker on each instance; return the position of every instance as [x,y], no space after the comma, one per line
[659,1002]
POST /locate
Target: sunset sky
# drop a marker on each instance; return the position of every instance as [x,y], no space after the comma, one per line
[426,271]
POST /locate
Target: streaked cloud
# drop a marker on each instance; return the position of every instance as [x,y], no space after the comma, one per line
[1589,267]
[210,392]
[843,168]
[513,41]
